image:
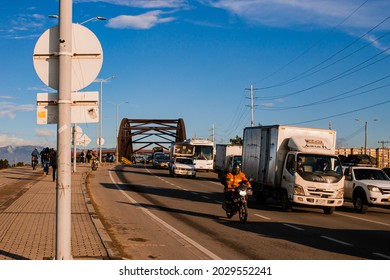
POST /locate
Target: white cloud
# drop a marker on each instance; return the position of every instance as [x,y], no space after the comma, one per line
[143,21]
[143,3]
[45,133]
[6,140]
[21,26]
[10,110]
[285,13]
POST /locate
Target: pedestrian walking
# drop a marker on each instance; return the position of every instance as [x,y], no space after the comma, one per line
[53,162]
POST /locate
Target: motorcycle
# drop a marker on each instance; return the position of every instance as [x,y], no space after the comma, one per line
[95,164]
[34,162]
[238,203]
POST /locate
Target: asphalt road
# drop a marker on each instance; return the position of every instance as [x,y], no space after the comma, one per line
[150,215]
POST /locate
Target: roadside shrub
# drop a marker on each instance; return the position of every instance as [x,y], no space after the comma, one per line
[4,163]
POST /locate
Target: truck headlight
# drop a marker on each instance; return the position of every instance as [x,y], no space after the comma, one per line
[374,188]
[298,190]
[340,193]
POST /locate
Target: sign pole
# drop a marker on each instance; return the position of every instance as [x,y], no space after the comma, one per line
[75,136]
[63,190]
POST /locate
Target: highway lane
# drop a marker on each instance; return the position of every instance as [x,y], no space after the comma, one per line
[186,221]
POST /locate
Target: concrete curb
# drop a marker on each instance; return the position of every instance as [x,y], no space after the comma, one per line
[112,252]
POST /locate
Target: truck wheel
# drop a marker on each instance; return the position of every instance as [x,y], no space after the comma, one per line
[360,202]
[260,197]
[329,210]
[286,205]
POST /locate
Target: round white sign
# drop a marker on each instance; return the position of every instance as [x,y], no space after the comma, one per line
[87,57]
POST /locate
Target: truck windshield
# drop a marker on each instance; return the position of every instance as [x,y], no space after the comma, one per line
[319,167]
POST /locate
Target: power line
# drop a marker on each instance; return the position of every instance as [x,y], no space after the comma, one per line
[343,74]
[336,97]
[311,47]
[342,114]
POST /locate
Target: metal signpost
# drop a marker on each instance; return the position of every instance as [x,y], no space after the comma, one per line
[67,58]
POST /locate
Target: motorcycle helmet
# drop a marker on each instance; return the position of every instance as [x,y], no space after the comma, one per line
[236,168]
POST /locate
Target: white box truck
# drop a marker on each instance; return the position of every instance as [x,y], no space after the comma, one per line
[226,155]
[295,165]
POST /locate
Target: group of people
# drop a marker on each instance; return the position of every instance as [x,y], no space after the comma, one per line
[87,157]
[90,155]
[48,158]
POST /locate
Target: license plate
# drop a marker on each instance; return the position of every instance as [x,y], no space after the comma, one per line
[320,201]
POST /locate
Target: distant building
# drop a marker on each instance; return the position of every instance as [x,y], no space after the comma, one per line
[382,155]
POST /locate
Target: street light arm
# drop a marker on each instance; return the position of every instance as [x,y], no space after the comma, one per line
[105,80]
[94,18]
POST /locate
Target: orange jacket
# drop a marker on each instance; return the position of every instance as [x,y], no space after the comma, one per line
[233,181]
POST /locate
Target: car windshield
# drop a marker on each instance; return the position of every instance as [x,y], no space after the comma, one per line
[184,160]
[370,174]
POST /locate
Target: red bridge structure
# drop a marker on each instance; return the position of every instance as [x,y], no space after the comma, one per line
[137,134]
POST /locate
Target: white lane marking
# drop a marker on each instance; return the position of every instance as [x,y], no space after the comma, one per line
[323,236]
[336,240]
[362,219]
[164,224]
[263,217]
[205,197]
[294,227]
[382,255]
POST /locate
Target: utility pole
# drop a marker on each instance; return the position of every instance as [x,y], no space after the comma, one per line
[251,89]
[63,190]
[383,143]
[213,134]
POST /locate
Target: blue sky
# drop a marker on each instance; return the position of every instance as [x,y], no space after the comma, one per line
[312,63]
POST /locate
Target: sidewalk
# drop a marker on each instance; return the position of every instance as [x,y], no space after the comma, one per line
[28,225]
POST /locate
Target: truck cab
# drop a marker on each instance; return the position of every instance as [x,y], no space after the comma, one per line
[366,186]
[312,179]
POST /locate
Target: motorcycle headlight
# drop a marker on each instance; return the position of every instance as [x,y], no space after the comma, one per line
[242,192]
[298,190]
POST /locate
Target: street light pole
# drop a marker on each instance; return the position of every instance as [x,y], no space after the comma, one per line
[63,189]
[365,134]
[101,114]
[117,135]
[365,137]
[101,121]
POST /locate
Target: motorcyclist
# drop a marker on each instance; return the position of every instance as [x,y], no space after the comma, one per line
[233,180]
[34,157]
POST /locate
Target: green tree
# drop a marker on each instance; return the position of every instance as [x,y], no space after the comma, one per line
[4,163]
[236,141]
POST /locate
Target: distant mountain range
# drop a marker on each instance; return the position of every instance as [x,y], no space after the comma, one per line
[18,154]
[23,153]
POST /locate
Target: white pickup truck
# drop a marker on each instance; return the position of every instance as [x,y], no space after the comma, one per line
[182,166]
[366,186]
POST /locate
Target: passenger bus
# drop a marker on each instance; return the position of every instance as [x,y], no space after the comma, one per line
[204,153]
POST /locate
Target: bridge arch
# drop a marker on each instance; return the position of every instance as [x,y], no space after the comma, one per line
[138,134]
